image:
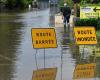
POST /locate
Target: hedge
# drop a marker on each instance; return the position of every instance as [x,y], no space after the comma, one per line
[88,22]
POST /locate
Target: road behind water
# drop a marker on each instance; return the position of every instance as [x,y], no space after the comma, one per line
[17,57]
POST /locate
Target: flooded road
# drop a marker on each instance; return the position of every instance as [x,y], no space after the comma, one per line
[18,58]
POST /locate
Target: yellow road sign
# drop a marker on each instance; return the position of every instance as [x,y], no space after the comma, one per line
[85,35]
[84,71]
[89,12]
[45,74]
[44,38]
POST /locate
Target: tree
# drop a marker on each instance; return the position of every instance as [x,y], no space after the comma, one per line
[91,1]
[76,1]
[96,1]
[69,2]
[11,3]
[18,3]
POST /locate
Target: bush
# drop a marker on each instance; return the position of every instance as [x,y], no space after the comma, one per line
[88,22]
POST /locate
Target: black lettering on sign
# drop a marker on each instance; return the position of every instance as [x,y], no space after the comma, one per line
[77,76]
[84,32]
[37,34]
[83,68]
[86,39]
[43,34]
[78,32]
[44,41]
[94,38]
[52,41]
[37,42]
[42,76]
[40,41]
[49,34]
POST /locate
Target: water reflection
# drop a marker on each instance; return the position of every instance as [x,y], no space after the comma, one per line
[87,54]
[53,11]
[65,40]
[10,39]
[12,27]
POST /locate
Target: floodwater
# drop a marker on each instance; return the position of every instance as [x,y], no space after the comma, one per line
[18,59]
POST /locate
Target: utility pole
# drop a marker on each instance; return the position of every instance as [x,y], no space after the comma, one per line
[64,1]
[75,10]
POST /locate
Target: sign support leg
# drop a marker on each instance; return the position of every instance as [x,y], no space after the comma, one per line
[61,64]
[83,52]
[36,59]
[44,57]
[94,55]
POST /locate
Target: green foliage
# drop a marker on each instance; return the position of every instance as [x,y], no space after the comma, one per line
[96,1]
[42,0]
[69,2]
[61,2]
[18,3]
[85,2]
[88,22]
[76,1]
[23,3]
[11,3]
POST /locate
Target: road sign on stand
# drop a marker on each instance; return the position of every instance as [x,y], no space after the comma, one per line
[44,38]
[85,35]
